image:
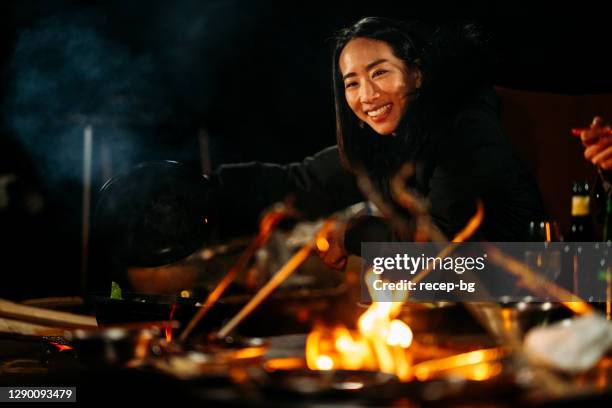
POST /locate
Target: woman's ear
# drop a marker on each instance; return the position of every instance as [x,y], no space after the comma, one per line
[417,77]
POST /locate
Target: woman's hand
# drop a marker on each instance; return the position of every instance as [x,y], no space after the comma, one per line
[597,140]
[330,246]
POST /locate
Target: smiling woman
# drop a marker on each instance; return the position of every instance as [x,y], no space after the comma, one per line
[378,85]
[428,88]
[403,93]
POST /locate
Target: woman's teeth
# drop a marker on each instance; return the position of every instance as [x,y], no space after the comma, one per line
[379,111]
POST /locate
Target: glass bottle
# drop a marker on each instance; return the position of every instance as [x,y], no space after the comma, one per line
[606,268]
[581,227]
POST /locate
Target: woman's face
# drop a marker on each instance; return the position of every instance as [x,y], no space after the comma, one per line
[377,84]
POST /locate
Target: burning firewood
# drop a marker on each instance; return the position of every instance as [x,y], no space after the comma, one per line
[269,221]
[296,260]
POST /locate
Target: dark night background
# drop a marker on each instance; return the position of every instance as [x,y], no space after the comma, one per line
[255,75]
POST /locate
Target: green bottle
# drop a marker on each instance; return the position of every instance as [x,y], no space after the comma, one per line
[606,272]
[607,227]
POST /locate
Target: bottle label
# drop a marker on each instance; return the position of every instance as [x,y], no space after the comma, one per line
[580,205]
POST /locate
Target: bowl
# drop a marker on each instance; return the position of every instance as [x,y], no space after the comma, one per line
[113,346]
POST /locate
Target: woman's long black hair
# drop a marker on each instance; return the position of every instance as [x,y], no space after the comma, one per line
[453,62]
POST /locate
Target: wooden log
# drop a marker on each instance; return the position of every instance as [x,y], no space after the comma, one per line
[45,316]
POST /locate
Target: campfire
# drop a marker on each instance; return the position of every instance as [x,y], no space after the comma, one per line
[338,347]
[383,342]
[380,343]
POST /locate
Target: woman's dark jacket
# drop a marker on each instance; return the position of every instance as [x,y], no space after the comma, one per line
[474,160]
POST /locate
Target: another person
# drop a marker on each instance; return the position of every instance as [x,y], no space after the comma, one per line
[403,93]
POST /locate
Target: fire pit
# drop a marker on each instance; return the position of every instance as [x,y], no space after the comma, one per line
[114,346]
[213,360]
[322,383]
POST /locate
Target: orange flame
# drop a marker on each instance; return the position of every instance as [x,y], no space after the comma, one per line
[379,344]
[382,340]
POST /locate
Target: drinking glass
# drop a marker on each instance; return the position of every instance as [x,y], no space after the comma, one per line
[544,259]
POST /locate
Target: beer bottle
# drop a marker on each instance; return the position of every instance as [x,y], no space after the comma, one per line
[581,228]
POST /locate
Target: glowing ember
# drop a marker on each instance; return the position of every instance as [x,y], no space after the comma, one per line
[61,347]
[169,326]
[287,363]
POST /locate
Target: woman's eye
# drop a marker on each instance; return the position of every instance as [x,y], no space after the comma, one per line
[378,73]
[350,85]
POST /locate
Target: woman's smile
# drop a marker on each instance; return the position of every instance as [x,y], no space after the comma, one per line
[381,113]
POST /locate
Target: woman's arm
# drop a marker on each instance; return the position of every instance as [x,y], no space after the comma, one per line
[319,185]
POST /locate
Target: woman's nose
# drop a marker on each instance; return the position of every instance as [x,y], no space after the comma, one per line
[368,92]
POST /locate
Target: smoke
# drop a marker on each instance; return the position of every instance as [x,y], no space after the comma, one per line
[129,70]
[65,73]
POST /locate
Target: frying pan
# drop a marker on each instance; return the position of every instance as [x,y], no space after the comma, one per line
[155,214]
